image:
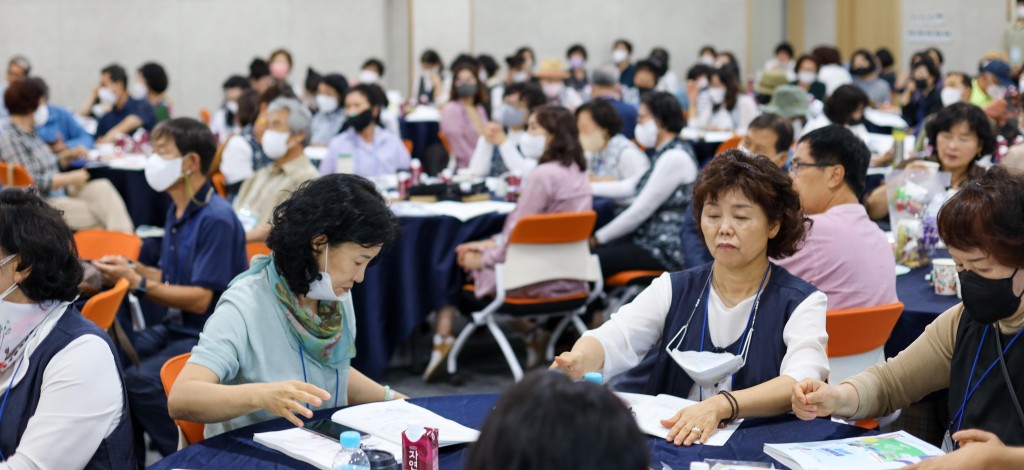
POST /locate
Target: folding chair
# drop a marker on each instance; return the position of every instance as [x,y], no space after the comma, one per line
[188,431]
[256,248]
[856,341]
[94,244]
[101,309]
[15,176]
[731,143]
[541,248]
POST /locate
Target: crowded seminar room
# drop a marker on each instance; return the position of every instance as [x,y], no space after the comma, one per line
[511,234]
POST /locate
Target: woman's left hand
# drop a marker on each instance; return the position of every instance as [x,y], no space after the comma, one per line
[471,261]
[696,423]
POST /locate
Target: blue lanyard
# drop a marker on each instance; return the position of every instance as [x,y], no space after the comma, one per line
[969,391]
[3,405]
[337,376]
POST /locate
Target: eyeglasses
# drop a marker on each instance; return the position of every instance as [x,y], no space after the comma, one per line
[795,166]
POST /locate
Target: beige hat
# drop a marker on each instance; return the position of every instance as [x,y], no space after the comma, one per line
[551,68]
[769,80]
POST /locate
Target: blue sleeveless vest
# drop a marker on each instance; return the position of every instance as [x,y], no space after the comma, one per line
[116,451]
[658,373]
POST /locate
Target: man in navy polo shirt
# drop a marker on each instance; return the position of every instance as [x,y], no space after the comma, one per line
[116,112]
[203,249]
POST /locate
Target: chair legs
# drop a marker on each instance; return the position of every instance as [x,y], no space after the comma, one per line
[460,342]
[506,348]
[573,318]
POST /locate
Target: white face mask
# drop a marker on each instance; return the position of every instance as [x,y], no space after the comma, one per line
[717,95]
[162,173]
[520,76]
[532,146]
[482,75]
[368,76]
[950,96]
[996,92]
[137,90]
[707,369]
[326,103]
[323,289]
[806,78]
[231,106]
[702,83]
[708,60]
[106,95]
[275,144]
[41,115]
[619,55]
[646,134]
[552,89]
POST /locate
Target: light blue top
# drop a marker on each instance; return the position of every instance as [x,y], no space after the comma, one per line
[61,122]
[247,340]
[325,126]
[385,156]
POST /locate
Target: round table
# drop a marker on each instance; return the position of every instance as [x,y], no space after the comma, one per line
[236,449]
[920,307]
[416,275]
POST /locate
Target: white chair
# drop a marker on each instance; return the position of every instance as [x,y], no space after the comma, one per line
[541,248]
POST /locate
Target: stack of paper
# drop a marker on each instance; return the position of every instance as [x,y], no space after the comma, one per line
[315,449]
[882,452]
[650,410]
[460,210]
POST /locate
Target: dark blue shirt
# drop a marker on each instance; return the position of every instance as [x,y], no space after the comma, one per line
[627,113]
[61,122]
[133,107]
[204,248]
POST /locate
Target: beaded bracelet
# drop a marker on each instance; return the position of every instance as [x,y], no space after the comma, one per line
[733,405]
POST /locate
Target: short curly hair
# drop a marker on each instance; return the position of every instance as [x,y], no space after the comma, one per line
[344,208]
[762,182]
[34,230]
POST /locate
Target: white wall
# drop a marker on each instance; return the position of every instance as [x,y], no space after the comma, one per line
[975,30]
[819,23]
[199,42]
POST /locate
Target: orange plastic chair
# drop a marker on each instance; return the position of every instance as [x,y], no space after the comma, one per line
[95,244]
[541,248]
[205,115]
[15,176]
[444,141]
[730,144]
[219,184]
[101,309]
[408,144]
[193,432]
[256,248]
[856,341]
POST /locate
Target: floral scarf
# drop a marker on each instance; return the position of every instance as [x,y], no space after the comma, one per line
[327,334]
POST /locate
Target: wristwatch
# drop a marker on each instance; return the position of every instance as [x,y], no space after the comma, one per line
[140,290]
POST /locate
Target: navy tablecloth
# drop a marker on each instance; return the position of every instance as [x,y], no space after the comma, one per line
[421,133]
[416,275]
[145,206]
[921,306]
[236,449]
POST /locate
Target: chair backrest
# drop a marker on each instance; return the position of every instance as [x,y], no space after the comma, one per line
[549,247]
[168,374]
[101,309]
[408,144]
[15,176]
[860,330]
[731,143]
[95,244]
[205,115]
[219,184]
[256,248]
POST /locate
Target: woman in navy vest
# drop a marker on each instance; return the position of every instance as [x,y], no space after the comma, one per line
[735,334]
[972,348]
[63,403]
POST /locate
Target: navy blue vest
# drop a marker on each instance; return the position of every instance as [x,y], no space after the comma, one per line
[658,373]
[990,408]
[116,451]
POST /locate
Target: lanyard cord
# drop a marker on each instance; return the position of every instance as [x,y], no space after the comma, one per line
[750,319]
[969,391]
[3,405]
[337,377]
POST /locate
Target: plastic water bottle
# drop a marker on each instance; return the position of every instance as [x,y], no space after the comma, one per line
[351,456]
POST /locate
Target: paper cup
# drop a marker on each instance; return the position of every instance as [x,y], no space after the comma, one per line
[944,276]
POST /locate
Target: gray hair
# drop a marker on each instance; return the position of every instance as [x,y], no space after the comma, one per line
[299,118]
[606,75]
[21,61]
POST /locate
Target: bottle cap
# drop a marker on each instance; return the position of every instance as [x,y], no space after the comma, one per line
[350,440]
[594,377]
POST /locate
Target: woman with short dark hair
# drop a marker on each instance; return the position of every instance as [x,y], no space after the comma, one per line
[63,402]
[548,422]
[722,106]
[969,348]
[646,235]
[615,161]
[748,213]
[290,315]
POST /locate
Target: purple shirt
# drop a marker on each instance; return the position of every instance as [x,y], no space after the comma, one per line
[460,131]
[551,188]
[386,155]
[847,257]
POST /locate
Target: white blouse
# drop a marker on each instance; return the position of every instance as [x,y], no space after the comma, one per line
[80,404]
[636,328]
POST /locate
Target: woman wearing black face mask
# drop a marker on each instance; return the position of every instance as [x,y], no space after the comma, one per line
[364,147]
[866,77]
[983,225]
[922,96]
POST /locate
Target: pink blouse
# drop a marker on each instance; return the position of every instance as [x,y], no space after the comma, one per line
[461,133]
